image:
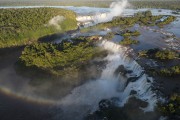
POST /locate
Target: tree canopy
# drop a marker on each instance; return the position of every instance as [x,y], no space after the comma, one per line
[57,58]
[23,26]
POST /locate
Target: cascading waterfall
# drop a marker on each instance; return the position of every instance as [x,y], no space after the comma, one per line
[116,9]
[142,85]
[86,97]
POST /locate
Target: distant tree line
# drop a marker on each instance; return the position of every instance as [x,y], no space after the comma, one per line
[166,4]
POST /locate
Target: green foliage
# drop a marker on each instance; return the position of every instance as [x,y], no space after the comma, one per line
[165,4]
[24,26]
[146,18]
[166,54]
[128,41]
[131,33]
[117,21]
[172,107]
[143,14]
[174,70]
[167,21]
[162,55]
[159,54]
[57,59]
[142,18]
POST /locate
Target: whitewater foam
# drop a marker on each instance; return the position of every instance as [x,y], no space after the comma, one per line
[86,97]
[142,85]
[116,9]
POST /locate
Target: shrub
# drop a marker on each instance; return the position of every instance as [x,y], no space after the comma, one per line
[128,41]
[174,70]
[172,107]
[166,54]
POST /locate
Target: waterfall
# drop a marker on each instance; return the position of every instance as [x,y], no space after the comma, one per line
[85,98]
[90,20]
[116,9]
[91,17]
[142,85]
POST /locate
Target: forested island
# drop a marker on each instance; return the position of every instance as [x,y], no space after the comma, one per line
[60,59]
[25,26]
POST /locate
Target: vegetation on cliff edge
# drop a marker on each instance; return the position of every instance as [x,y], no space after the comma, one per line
[58,59]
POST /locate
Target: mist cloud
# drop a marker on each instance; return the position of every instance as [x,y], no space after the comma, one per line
[56,21]
[116,9]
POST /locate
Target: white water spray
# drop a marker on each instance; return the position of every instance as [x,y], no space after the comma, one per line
[141,85]
[86,97]
[55,21]
[116,9]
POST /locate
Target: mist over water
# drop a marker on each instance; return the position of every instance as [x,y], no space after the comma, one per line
[115,9]
[55,22]
[85,98]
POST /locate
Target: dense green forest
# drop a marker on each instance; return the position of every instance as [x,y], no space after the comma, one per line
[172,71]
[168,4]
[165,4]
[24,26]
[58,59]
